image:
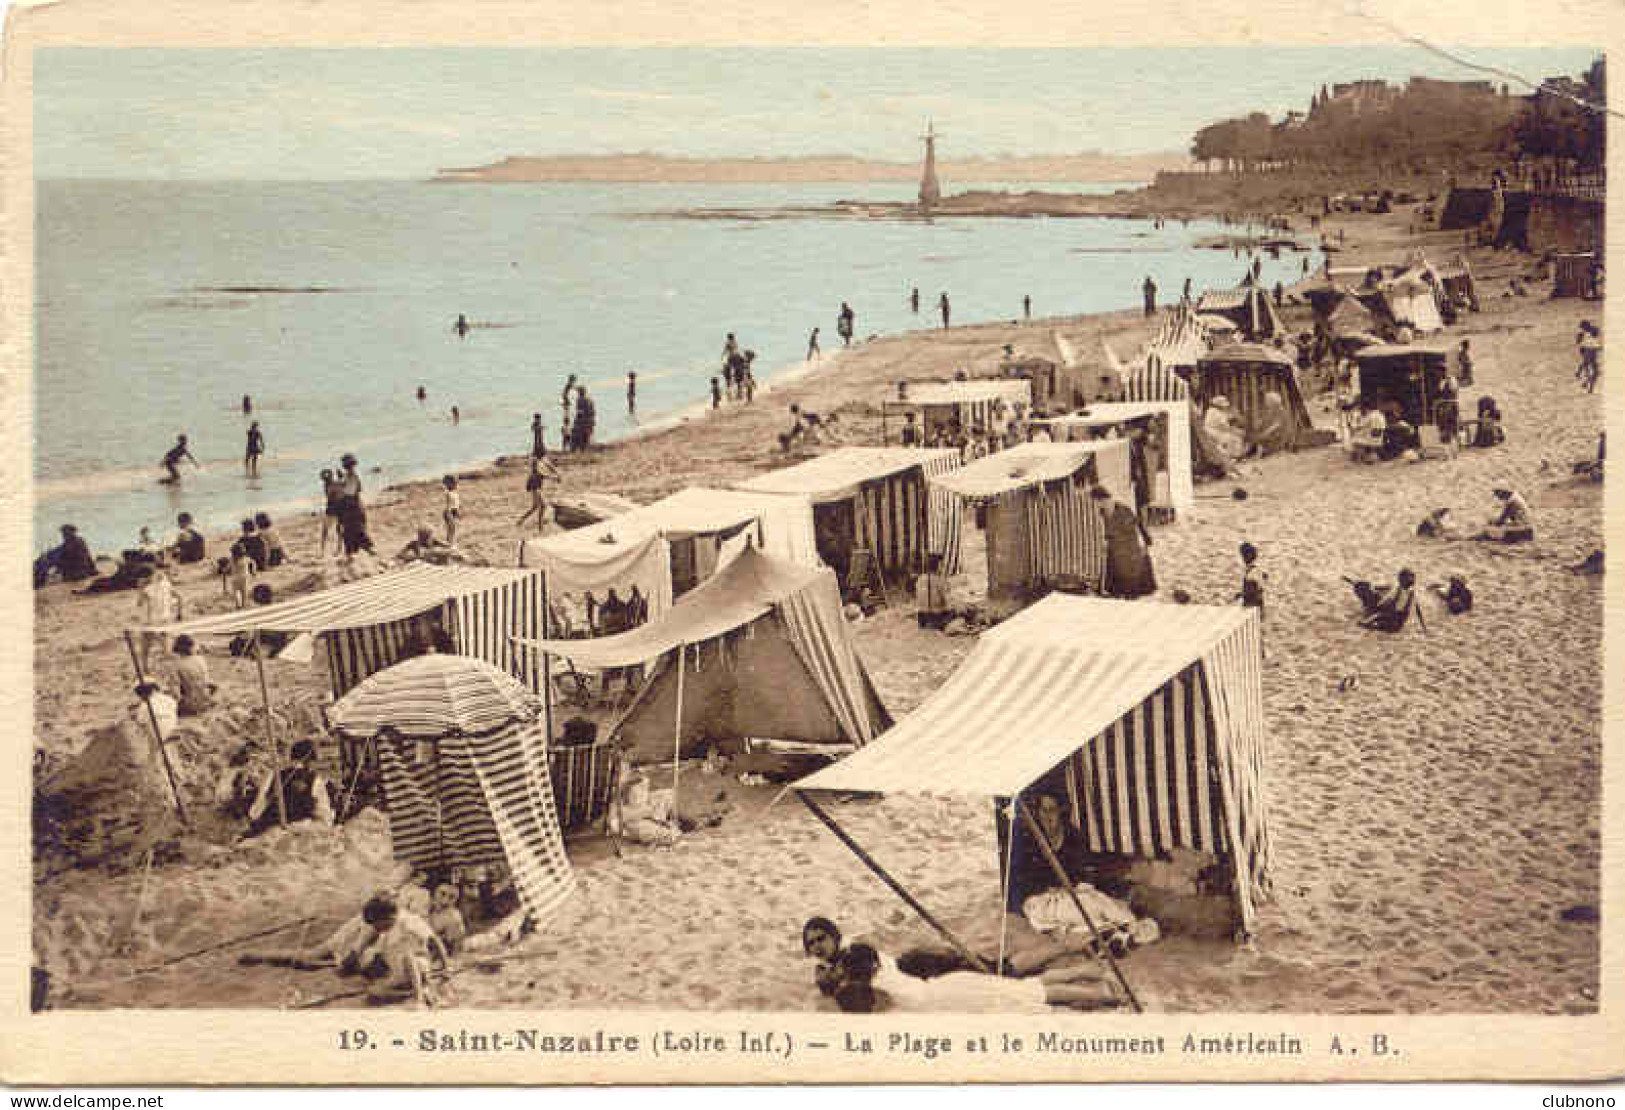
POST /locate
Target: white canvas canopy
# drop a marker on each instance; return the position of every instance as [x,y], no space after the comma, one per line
[635,547]
[1031,464]
[1181,487]
[1152,714]
[778,663]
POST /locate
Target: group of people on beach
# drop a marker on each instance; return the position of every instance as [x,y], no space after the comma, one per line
[737,380]
[580,413]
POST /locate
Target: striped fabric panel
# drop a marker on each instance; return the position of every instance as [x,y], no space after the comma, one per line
[517,801]
[583,779]
[414,813]
[1153,382]
[1066,535]
[392,596]
[892,521]
[1232,666]
[356,654]
[1245,388]
[1146,784]
[817,632]
[947,516]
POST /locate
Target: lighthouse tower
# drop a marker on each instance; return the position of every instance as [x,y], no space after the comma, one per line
[930,191]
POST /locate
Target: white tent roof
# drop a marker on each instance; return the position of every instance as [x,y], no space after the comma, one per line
[1033,691]
[395,595]
[1028,464]
[837,475]
[1010,390]
[1180,480]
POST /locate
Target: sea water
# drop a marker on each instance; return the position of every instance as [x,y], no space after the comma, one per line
[159,305]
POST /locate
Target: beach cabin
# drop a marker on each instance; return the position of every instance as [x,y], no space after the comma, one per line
[1574,275]
[1042,527]
[1171,487]
[1405,380]
[368,626]
[759,652]
[463,753]
[958,405]
[1248,307]
[1243,373]
[1145,720]
[876,499]
[1412,302]
[665,549]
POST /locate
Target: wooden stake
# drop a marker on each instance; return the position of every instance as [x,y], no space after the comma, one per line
[677,732]
[157,733]
[1066,884]
[897,888]
[270,733]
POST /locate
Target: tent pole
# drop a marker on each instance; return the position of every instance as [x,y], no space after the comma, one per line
[1066,885]
[677,731]
[977,961]
[157,733]
[1004,891]
[270,733]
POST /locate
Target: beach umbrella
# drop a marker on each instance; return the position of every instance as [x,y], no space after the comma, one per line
[434,696]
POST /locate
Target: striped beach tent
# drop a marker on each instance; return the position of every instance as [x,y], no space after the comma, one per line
[1148,718]
[760,651]
[1244,373]
[1176,488]
[1041,528]
[968,404]
[368,624]
[672,544]
[875,498]
[465,771]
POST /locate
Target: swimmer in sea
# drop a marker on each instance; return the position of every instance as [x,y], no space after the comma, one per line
[173,457]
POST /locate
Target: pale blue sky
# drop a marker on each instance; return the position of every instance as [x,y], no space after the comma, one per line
[380,113]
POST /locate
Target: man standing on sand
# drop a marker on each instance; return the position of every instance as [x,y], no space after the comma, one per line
[812,346]
[632,396]
[565,437]
[1149,290]
[585,421]
[255,448]
[942,304]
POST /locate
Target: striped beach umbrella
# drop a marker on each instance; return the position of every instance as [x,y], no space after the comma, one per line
[434,696]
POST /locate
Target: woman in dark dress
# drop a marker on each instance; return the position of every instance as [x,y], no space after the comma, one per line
[1129,573]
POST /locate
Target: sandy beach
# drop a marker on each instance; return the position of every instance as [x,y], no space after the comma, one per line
[1433,818]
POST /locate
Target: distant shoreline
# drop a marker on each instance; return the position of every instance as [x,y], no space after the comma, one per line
[1088,168]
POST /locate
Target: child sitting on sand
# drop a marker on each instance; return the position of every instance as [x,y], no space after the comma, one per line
[275,553]
[1390,609]
[1512,523]
[445,918]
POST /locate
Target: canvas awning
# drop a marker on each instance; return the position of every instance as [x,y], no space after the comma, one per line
[1248,352]
[383,598]
[1011,391]
[1029,464]
[1034,689]
[838,475]
[741,592]
[1182,488]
